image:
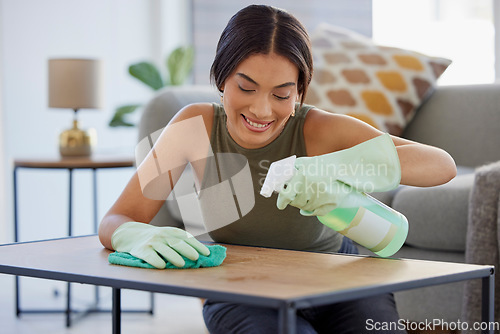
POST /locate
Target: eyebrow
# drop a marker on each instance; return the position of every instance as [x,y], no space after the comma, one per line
[246,77]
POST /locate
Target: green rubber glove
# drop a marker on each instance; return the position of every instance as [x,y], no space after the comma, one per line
[319,184]
[148,242]
[314,196]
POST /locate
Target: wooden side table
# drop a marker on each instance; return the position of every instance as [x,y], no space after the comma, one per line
[94,163]
[69,164]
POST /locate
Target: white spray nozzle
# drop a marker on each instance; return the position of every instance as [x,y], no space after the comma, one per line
[279,173]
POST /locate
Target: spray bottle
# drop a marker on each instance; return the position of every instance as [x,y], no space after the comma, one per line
[359,216]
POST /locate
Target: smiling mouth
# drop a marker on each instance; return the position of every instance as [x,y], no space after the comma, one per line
[255,124]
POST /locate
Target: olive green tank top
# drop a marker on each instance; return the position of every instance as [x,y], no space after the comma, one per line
[235,212]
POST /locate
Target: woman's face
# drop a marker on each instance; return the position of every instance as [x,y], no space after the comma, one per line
[259,97]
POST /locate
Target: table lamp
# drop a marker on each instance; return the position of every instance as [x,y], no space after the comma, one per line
[75,84]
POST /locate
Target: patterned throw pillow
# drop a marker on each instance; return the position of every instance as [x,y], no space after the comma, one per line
[382,86]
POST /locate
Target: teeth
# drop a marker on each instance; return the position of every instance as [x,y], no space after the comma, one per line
[257,125]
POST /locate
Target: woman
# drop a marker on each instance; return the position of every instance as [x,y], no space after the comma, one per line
[262,68]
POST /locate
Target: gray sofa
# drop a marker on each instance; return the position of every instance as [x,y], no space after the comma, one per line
[463,120]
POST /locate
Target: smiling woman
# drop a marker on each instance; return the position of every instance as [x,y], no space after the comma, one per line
[263,66]
[259,98]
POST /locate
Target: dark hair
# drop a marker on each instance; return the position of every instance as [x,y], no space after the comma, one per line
[261,29]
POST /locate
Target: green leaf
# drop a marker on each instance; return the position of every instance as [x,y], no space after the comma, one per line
[147,73]
[120,113]
[179,64]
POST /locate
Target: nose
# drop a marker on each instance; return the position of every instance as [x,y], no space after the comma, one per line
[261,108]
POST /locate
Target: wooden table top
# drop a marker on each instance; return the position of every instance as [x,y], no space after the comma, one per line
[249,272]
[94,161]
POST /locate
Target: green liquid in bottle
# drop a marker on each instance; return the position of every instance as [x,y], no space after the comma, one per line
[370,223]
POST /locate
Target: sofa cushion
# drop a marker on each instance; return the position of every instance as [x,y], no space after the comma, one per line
[463,120]
[437,216]
[386,197]
[382,86]
[483,236]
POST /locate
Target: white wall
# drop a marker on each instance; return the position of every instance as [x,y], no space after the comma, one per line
[496,18]
[117,31]
[170,26]
[3,216]
[443,28]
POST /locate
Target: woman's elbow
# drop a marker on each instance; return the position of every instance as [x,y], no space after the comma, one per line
[448,169]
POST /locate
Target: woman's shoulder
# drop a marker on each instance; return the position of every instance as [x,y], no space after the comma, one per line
[205,110]
[326,132]
[195,109]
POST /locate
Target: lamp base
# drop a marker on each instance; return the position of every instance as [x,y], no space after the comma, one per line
[76,142]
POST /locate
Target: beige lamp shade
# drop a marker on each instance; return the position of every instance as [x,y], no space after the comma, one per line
[75,83]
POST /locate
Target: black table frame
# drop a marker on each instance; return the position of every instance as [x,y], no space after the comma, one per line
[68,311]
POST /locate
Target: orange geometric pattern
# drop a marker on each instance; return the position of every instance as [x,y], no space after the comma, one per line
[392,80]
[382,86]
[377,102]
[409,62]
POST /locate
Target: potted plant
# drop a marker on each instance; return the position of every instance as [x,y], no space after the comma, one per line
[178,63]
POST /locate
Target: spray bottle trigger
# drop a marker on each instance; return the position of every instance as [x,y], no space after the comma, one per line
[279,173]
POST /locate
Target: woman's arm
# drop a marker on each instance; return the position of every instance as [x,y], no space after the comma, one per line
[156,176]
[130,206]
[421,165]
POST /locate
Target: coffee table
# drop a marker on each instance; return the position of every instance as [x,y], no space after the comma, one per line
[282,279]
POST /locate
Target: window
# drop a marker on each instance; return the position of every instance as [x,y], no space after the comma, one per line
[461,30]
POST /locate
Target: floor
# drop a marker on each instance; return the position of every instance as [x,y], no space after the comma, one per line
[172,314]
